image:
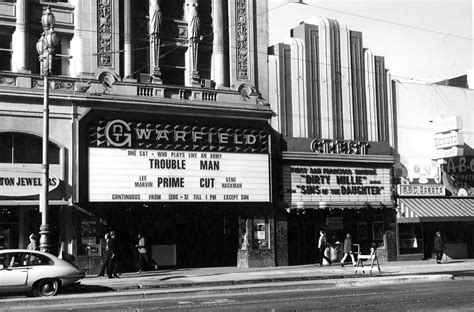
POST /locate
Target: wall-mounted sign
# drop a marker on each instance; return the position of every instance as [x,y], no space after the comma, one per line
[449,139]
[140,175]
[421,190]
[17,182]
[336,184]
[339,147]
[458,175]
[166,136]
[449,152]
[448,124]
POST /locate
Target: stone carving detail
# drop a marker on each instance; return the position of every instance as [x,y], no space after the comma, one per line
[104,31]
[154,28]
[194,27]
[7,80]
[242,39]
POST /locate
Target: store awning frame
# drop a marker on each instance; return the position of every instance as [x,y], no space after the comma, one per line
[415,210]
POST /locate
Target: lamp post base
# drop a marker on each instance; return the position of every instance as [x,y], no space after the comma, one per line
[45,238]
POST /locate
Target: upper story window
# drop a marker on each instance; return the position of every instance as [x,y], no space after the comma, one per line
[25,149]
[5,51]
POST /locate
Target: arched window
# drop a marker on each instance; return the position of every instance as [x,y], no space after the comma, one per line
[25,148]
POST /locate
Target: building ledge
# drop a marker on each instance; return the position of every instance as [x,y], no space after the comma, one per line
[132,93]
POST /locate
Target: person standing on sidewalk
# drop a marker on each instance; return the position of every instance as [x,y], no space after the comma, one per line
[114,262]
[143,261]
[348,250]
[33,245]
[438,247]
[322,245]
[106,257]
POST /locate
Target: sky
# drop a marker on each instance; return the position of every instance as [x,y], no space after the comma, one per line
[421,40]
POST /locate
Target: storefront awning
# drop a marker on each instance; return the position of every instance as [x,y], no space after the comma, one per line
[435,209]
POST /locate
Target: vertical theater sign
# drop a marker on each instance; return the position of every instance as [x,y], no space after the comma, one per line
[153,162]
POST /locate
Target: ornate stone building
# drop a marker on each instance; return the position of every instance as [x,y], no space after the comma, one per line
[158,123]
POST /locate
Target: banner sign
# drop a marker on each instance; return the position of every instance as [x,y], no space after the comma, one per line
[336,184]
[421,190]
[16,182]
[158,175]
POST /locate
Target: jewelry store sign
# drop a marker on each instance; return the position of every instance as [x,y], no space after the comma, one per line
[162,162]
[336,184]
[19,182]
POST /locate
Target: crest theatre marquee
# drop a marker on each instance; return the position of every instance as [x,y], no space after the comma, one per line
[143,162]
[336,184]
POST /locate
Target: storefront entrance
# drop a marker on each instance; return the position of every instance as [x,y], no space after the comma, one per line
[366,225]
[204,236]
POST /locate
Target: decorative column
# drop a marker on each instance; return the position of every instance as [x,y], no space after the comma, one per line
[77,42]
[218,56]
[127,39]
[154,25]
[19,38]
[194,25]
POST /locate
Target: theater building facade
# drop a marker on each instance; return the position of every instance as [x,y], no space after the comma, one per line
[335,111]
[158,126]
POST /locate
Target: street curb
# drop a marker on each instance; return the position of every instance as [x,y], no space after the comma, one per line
[195,291]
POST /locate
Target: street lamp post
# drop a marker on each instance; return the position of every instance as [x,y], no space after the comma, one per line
[45,47]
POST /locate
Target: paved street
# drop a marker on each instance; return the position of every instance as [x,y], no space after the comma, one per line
[230,281]
[438,296]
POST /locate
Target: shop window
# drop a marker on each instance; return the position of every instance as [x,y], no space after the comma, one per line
[377,230]
[455,232]
[410,239]
[5,51]
[25,149]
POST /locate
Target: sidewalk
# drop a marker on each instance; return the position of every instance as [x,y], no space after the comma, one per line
[219,276]
[226,280]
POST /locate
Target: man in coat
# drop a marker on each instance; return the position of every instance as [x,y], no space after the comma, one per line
[348,250]
[438,247]
[322,245]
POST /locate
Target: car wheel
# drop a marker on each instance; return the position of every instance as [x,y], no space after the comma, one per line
[46,288]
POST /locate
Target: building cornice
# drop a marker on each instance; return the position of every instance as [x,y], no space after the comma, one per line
[136,96]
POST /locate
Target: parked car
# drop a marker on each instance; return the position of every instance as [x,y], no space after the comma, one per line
[37,272]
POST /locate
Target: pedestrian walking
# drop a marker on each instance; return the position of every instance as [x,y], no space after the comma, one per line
[348,250]
[322,245]
[106,257]
[143,261]
[438,247]
[33,245]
